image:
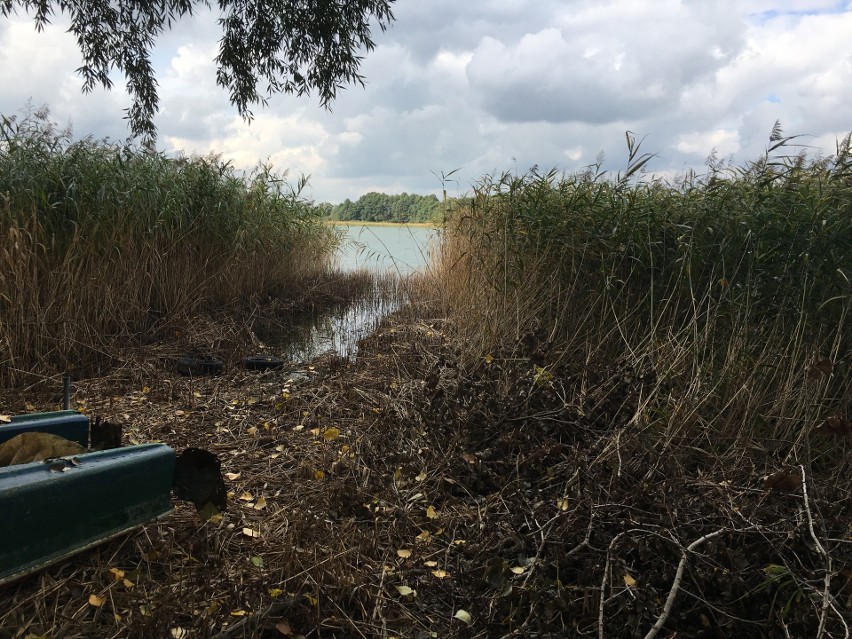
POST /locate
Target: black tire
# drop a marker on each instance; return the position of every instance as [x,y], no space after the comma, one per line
[263,362]
[195,365]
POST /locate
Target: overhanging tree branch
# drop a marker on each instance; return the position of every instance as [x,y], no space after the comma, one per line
[267,46]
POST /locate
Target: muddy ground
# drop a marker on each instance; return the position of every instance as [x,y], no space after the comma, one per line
[404,494]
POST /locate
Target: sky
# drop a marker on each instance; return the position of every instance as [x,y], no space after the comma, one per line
[481,87]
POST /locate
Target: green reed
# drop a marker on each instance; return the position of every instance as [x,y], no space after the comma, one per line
[101,243]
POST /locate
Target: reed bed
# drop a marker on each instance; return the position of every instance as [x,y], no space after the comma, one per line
[105,244]
[733,287]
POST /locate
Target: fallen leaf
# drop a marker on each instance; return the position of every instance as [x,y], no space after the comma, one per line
[233,476]
[489,358]
[249,532]
[629,581]
[518,570]
[260,504]
[430,564]
[562,504]
[463,615]
[283,627]
[117,573]
[238,613]
[319,474]
[431,513]
[179,633]
[274,592]
[405,591]
[252,431]
[246,496]
[440,574]
[331,434]
[95,601]
[5,419]
[257,561]
[783,481]
[405,554]
[420,477]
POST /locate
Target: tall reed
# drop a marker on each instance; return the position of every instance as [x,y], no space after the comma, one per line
[104,244]
[732,287]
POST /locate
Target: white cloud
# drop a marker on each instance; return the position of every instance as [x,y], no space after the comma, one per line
[491,85]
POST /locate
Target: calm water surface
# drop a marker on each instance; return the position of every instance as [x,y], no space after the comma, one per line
[399,248]
[395,250]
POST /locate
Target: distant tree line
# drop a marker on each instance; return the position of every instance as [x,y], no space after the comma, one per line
[380,207]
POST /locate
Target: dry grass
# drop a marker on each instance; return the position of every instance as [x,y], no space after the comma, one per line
[530,501]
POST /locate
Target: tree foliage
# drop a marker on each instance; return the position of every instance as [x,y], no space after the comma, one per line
[292,46]
[381,207]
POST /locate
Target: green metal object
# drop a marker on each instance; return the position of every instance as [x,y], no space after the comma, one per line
[53,509]
[66,423]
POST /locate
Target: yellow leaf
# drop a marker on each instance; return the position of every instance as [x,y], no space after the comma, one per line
[233,476]
[29,406]
[146,389]
[430,564]
[562,504]
[440,574]
[117,573]
[249,532]
[260,504]
[405,591]
[238,613]
[331,434]
[95,601]
[274,592]
[489,358]
[430,513]
[463,615]
[252,431]
[629,581]
[312,600]
[246,496]
[420,477]
[423,536]
[518,570]
[320,475]
[5,419]
[397,474]
[252,400]
[404,553]
[127,583]
[179,633]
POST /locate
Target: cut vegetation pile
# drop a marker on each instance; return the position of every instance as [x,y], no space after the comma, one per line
[620,409]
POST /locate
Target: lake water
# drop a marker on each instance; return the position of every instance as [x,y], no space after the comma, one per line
[394,250]
[399,248]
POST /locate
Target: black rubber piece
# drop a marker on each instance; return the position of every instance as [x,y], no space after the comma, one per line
[263,362]
[198,365]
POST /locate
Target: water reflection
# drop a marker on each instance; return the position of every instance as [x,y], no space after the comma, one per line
[391,254]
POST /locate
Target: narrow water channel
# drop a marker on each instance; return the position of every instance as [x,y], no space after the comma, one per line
[385,251]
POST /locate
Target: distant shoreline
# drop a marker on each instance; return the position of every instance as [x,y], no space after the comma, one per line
[427,225]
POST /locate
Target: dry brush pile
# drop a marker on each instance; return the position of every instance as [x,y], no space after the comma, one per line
[407,494]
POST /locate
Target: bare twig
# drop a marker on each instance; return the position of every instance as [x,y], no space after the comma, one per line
[667,608]
[826,592]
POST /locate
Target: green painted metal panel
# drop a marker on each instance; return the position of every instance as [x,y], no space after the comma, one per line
[53,509]
[66,423]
